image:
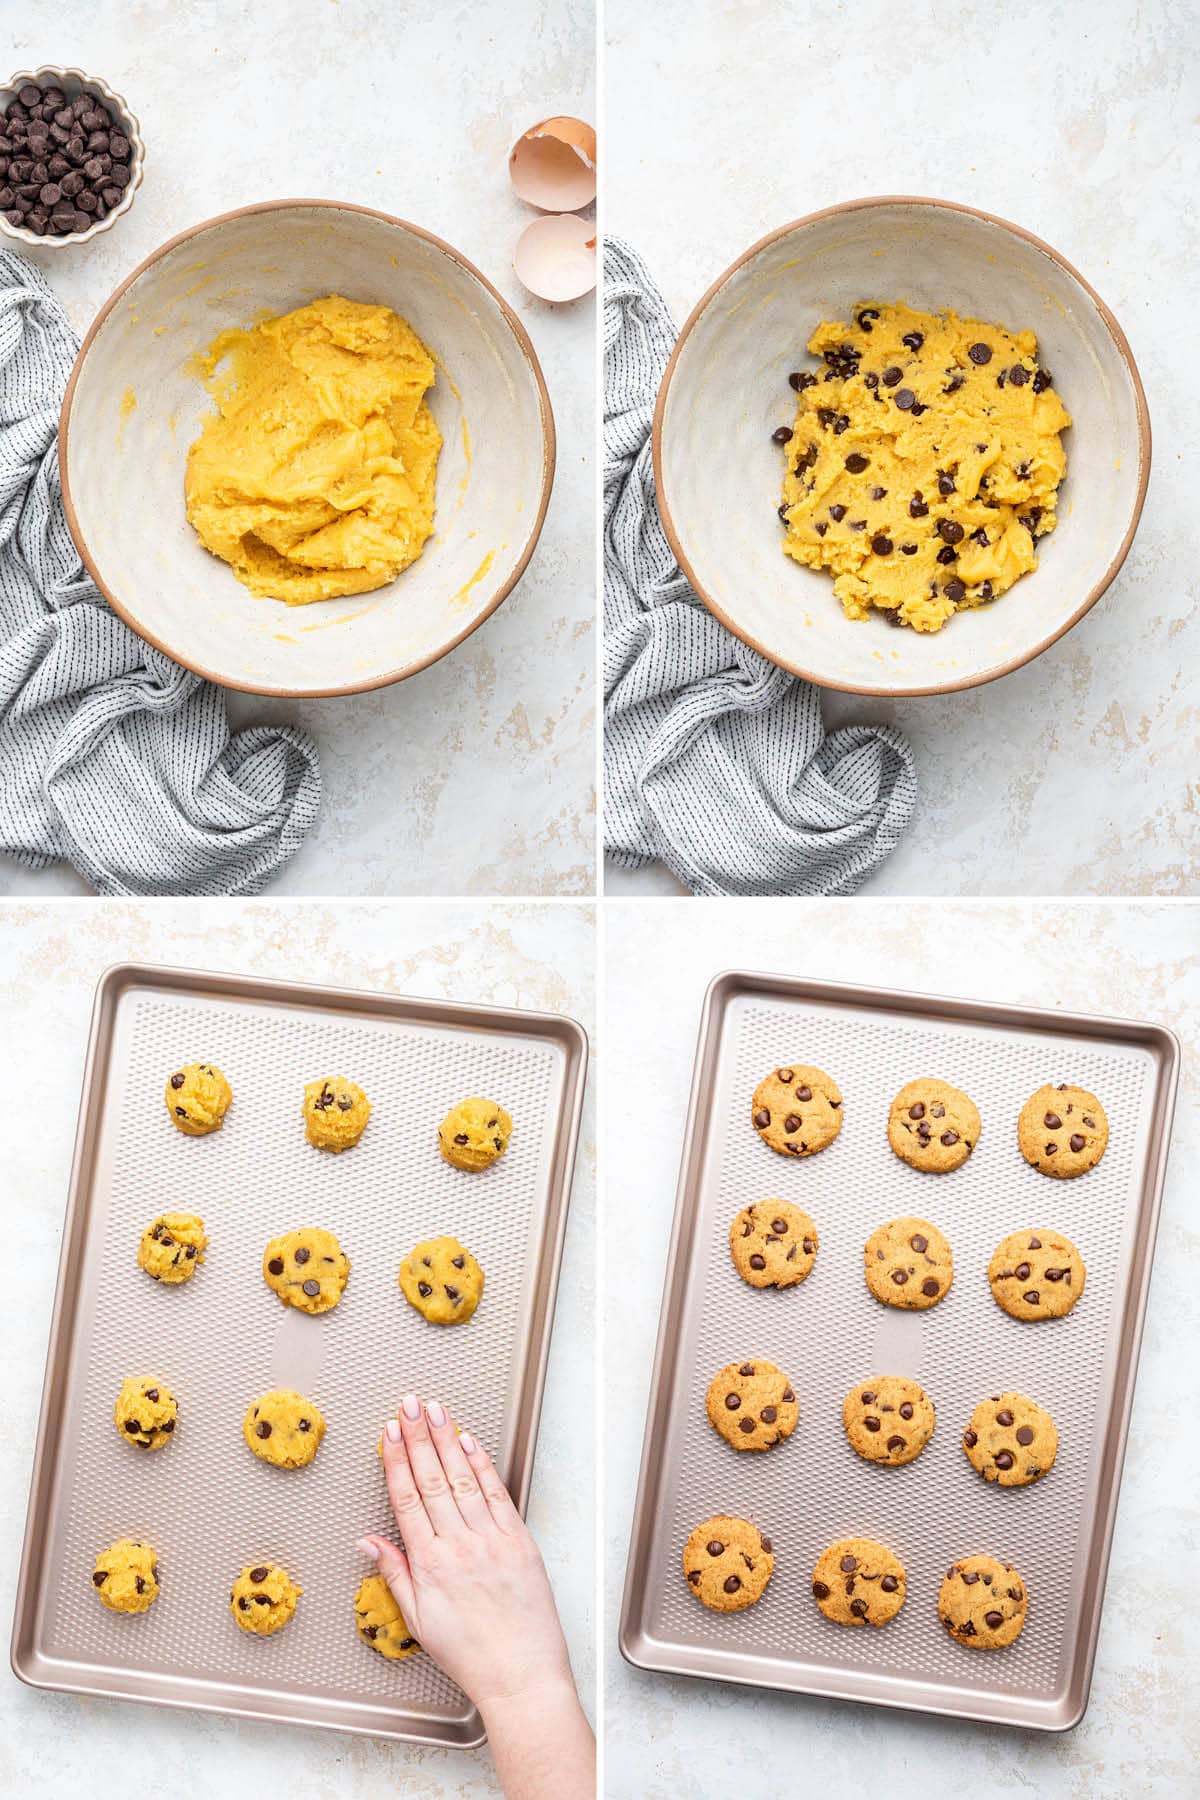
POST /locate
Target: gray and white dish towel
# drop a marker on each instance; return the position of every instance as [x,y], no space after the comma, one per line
[716,761]
[112,758]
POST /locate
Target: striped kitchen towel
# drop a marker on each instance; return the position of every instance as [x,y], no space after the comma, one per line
[716,761]
[112,758]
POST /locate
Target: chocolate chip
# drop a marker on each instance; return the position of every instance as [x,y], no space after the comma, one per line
[919,1243]
[746,1424]
[802,380]
[906,399]
[950,531]
[758,1262]
[856,463]
[889,1584]
[1024,1434]
[820,1591]
[929,1287]
[312,1288]
[1032,1297]
[837,514]
[881,545]
[100,1577]
[1018,375]
[791,1123]
[955,590]
[139,1584]
[769,1414]
[1077,1142]
[779,1227]
[945,483]
[871,1423]
[762,1119]
[1052,1122]
[848,1564]
[804,1093]
[262,1429]
[949,1138]
[424,1289]
[788,1394]
[994,1619]
[782,436]
[899,1276]
[980,354]
[1054,1274]
[132,1427]
[302,1255]
[859,1608]
[867,316]
[259,1574]
[917,509]
[895,1443]
[871,382]
[970,1577]
[304,1424]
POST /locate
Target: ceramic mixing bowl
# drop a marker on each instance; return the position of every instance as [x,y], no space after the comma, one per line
[134,404]
[719,476]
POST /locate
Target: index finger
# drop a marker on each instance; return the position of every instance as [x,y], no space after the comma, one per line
[416,1527]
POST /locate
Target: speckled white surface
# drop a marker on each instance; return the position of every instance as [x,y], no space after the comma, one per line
[673,1739]
[537,956]
[477,775]
[1076,774]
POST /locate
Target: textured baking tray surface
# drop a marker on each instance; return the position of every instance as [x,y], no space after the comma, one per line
[830,1334]
[206,1504]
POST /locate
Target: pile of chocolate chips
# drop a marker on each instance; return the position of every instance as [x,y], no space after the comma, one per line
[64,164]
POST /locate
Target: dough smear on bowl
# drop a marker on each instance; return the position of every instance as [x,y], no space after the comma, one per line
[315,475]
[924,462]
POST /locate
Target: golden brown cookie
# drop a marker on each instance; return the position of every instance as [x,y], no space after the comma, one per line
[335,1113]
[474,1134]
[859,1582]
[1036,1274]
[797,1109]
[197,1097]
[171,1246]
[1011,1440]
[263,1599]
[307,1269]
[126,1576]
[283,1428]
[146,1412]
[752,1404]
[380,1622]
[442,1280]
[888,1419]
[773,1244]
[727,1563]
[908,1263]
[983,1602]
[1062,1131]
[933,1126]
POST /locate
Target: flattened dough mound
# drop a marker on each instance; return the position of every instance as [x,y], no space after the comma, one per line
[380,1622]
[307,1269]
[263,1598]
[474,1134]
[283,1428]
[442,1280]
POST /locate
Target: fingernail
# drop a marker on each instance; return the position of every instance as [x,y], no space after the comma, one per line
[436,1413]
[391,1430]
[411,1406]
[369,1549]
[468,1443]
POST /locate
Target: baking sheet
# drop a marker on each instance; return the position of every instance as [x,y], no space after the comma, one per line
[205,1503]
[829,1334]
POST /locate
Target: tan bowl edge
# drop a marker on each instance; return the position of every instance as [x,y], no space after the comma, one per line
[1143,417]
[550,441]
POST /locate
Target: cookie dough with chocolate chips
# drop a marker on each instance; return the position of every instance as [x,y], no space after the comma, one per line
[1062,1131]
[908,1263]
[474,1134]
[1036,1274]
[797,1109]
[859,1582]
[380,1622]
[773,1244]
[727,1563]
[888,1419]
[197,1097]
[933,1126]
[307,1269]
[283,1428]
[442,1280]
[983,1603]
[171,1247]
[335,1113]
[923,464]
[263,1598]
[752,1404]
[126,1576]
[1011,1440]
[146,1412]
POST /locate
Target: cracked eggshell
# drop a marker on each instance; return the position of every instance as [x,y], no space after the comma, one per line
[556,257]
[553,165]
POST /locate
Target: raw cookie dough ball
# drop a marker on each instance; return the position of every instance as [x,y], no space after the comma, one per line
[933,1126]
[908,1263]
[442,1280]
[1036,1274]
[773,1244]
[1011,1440]
[858,1582]
[380,1622]
[283,1428]
[888,1419]
[1062,1131]
[263,1598]
[335,1113]
[197,1098]
[171,1247]
[727,1563]
[308,1269]
[474,1134]
[797,1109]
[983,1602]
[145,1413]
[752,1404]
[126,1576]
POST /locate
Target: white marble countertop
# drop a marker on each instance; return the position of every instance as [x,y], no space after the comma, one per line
[674,1739]
[1075,774]
[51,955]
[477,775]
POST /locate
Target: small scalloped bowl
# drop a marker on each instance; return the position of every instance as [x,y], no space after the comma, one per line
[719,476]
[72,82]
[133,407]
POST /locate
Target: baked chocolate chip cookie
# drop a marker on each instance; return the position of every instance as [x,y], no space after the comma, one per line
[797,1109]
[933,1126]
[1036,1274]
[1062,1131]
[1011,1440]
[858,1582]
[983,1602]
[888,1419]
[727,1563]
[752,1405]
[773,1244]
[908,1263]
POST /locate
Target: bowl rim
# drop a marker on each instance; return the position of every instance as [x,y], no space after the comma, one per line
[1144,448]
[20,233]
[549,450]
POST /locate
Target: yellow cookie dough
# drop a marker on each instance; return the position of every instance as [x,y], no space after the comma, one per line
[335,1113]
[924,462]
[315,475]
[442,1280]
[283,1428]
[474,1134]
[145,1412]
[197,1097]
[171,1246]
[380,1622]
[263,1598]
[126,1576]
[307,1269]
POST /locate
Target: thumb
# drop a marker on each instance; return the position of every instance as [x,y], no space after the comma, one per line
[393,1566]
